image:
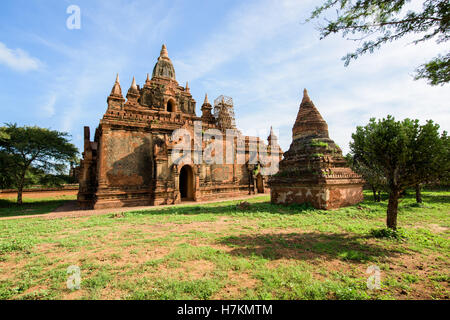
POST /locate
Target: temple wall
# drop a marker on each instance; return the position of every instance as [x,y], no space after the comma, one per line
[124,169]
[127,158]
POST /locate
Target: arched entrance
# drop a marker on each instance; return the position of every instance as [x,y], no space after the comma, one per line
[170,106]
[186,183]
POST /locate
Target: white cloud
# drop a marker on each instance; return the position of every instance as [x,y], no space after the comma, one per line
[250,25]
[261,55]
[280,57]
[82,84]
[18,59]
[48,109]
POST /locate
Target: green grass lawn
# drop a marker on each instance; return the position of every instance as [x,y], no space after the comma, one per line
[10,208]
[216,251]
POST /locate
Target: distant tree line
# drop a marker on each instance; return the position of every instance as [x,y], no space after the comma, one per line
[34,156]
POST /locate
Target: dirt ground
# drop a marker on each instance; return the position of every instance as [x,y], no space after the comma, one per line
[39,194]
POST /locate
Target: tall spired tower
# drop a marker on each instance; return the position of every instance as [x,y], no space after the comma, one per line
[313,169]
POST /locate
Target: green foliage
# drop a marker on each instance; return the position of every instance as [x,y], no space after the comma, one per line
[386,21]
[388,233]
[317,155]
[411,278]
[436,71]
[399,154]
[372,174]
[30,150]
[316,143]
[14,245]
[256,170]
[7,172]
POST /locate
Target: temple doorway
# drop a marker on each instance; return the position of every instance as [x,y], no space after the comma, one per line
[170,106]
[186,183]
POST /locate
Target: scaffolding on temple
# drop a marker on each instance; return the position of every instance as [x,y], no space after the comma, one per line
[224,113]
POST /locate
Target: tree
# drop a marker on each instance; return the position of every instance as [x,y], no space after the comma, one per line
[373,177]
[386,21]
[26,149]
[7,165]
[405,152]
[436,164]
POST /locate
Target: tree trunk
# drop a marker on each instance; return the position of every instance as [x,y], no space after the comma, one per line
[19,194]
[418,193]
[391,220]
[20,187]
[374,194]
[379,196]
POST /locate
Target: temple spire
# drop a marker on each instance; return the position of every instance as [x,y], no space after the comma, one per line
[164,67]
[164,52]
[309,121]
[187,86]
[147,81]
[116,90]
[305,95]
[272,137]
[133,92]
[206,110]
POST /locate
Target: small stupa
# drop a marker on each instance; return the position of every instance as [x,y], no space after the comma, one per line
[313,169]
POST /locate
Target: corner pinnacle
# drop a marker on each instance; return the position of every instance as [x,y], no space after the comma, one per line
[133,84]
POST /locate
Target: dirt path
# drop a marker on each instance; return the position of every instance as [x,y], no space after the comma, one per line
[70,209]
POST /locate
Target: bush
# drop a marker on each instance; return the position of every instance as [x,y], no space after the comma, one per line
[388,233]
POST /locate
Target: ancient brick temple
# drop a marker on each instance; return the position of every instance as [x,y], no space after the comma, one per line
[128,163]
[313,169]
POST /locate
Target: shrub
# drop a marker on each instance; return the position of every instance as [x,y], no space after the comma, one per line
[388,233]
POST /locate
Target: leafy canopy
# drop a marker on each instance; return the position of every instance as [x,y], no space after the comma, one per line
[380,21]
[403,152]
[27,150]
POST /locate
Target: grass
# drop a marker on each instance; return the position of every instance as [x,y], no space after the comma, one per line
[217,251]
[10,208]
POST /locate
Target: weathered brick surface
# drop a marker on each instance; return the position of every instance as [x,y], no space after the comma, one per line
[128,158]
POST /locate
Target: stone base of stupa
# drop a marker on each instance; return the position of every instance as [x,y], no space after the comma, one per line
[345,192]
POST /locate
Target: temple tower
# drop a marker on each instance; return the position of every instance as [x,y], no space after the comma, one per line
[207,115]
[313,169]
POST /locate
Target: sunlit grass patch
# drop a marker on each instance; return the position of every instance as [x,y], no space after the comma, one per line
[217,251]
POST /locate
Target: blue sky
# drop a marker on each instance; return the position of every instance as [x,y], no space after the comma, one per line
[258,52]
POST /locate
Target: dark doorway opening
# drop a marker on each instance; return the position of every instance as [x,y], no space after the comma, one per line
[170,106]
[186,183]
